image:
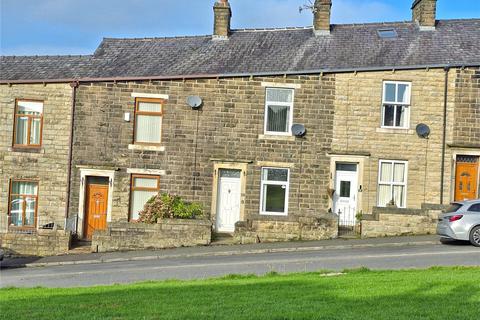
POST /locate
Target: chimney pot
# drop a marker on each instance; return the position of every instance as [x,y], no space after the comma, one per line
[424,13]
[222,18]
[321,20]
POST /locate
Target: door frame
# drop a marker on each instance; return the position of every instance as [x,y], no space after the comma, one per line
[354,159]
[243,185]
[352,174]
[84,173]
[453,182]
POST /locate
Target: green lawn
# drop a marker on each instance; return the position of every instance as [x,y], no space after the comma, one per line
[438,293]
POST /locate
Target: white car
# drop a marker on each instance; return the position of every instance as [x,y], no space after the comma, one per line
[461,221]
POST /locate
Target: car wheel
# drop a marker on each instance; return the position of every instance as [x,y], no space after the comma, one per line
[475,236]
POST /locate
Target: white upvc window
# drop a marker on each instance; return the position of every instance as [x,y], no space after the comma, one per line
[396,104]
[392,183]
[279,111]
[274,191]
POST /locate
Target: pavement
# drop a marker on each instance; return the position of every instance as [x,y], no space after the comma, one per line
[216,250]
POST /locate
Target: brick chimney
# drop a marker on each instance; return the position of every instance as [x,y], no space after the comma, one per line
[223,15]
[321,19]
[424,13]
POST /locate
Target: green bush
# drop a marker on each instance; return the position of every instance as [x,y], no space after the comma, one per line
[168,206]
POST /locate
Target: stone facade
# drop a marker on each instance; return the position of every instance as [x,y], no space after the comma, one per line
[360,138]
[43,242]
[467,108]
[167,233]
[230,131]
[48,164]
[389,222]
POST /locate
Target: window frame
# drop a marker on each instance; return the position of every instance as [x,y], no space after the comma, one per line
[133,189]
[290,117]
[24,196]
[160,114]
[392,183]
[407,104]
[30,117]
[277,183]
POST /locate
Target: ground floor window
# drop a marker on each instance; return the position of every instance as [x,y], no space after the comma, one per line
[274,191]
[23,203]
[143,188]
[392,183]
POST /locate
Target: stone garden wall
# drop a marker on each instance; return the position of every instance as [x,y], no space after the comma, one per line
[167,233]
[305,228]
[387,222]
[39,243]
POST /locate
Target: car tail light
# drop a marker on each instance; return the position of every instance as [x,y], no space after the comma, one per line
[455,218]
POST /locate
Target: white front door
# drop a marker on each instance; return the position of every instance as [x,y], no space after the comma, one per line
[228,200]
[346,193]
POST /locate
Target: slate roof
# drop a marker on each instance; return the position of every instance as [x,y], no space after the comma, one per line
[44,67]
[291,50]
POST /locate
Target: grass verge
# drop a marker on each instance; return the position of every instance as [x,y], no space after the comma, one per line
[436,293]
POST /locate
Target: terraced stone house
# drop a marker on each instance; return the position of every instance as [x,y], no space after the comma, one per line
[300,131]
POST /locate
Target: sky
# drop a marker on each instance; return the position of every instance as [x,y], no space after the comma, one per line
[51,27]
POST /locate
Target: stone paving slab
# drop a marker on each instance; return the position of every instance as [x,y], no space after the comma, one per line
[335,244]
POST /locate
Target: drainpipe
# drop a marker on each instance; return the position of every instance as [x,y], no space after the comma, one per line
[444,138]
[74,85]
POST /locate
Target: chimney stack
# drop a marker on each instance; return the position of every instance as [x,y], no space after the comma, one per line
[321,20]
[424,13]
[223,15]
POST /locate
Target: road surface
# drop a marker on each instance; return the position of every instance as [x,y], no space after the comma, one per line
[213,266]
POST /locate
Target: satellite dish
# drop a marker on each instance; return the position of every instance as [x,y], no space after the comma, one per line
[298,130]
[194,102]
[423,130]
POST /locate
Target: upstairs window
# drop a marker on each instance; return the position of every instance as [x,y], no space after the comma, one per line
[274,191]
[278,111]
[23,203]
[392,183]
[28,124]
[396,105]
[148,121]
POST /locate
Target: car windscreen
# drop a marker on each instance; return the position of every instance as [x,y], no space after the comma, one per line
[454,207]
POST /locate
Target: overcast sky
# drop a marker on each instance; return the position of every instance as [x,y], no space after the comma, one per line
[38,27]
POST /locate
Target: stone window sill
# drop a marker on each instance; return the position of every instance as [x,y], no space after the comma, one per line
[275,137]
[141,147]
[395,131]
[27,150]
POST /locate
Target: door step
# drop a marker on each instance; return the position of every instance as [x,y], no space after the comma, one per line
[222,239]
[80,246]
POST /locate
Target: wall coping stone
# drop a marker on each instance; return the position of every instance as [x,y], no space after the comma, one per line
[399,211]
[434,206]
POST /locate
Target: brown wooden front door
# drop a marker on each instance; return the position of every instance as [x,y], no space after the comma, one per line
[466,181]
[96,209]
